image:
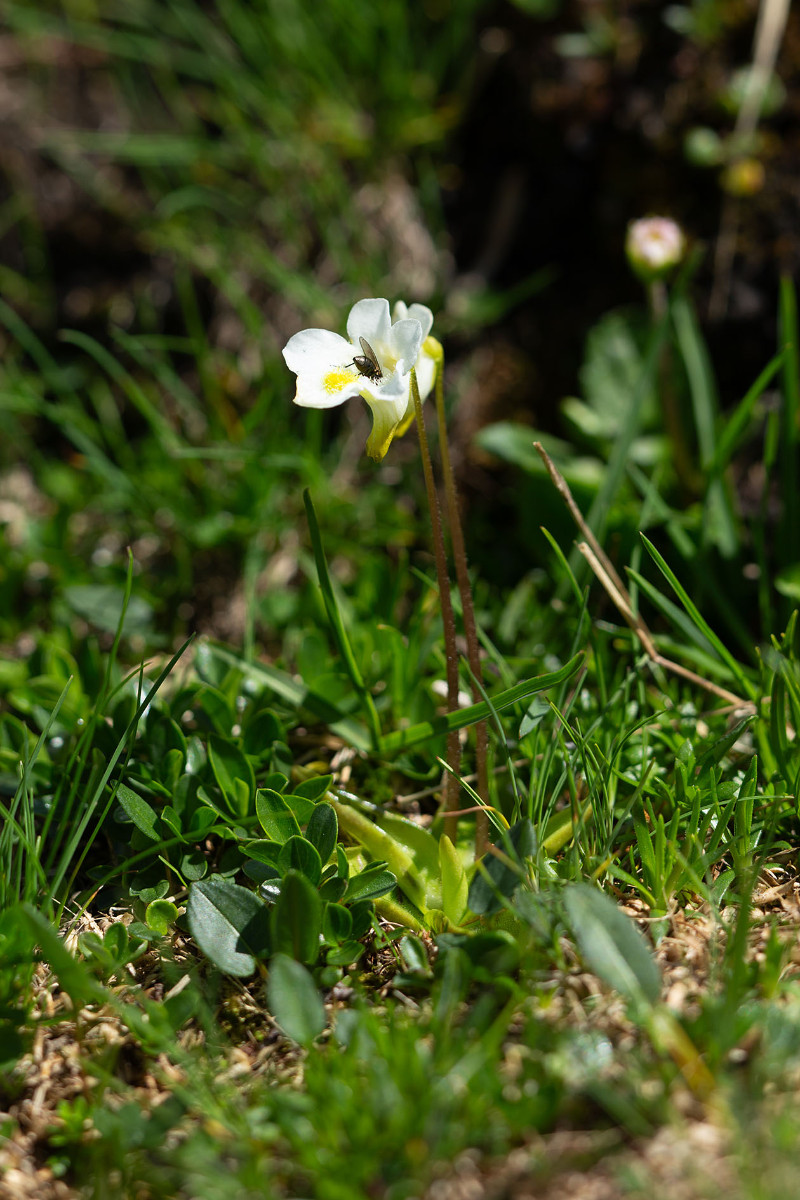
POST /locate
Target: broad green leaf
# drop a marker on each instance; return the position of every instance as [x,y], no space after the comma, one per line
[381,845]
[297,918]
[160,915]
[276,818]
[260,732]
[229,924]
[322,830]
[342,956]
[102,605]
[294,1000]
[301,807]
[233,773]
[368,885]
[455,887]
[315,787]
[612,945]
[263,850]
[415,956]
[421,842]
[139,811]
[298,854]
[337,923]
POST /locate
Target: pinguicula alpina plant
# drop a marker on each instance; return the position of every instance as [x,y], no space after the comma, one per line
[376,364]
[393,363]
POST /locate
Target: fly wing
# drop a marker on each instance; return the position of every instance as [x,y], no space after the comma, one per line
[371,355]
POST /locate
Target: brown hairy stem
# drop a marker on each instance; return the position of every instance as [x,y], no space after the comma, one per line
[468,613]
[451,783]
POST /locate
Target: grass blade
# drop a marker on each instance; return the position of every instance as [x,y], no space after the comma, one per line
[337,624]
[699,621]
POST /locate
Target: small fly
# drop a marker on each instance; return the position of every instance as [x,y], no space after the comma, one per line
[367,362]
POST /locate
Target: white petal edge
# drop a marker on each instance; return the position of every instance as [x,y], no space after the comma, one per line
[406,342]
[426,374]
[369,319]
[316,350]
[421,313]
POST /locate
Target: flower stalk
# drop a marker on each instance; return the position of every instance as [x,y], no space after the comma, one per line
[451,784]
[468,613]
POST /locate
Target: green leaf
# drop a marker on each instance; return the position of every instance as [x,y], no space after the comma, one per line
[612,945]
[401,739]
[298,854]
[233,773]
[276,818]
[160,915]
[322,830]
[314,788]
[384,847]
[333,889]
[102,605]
[139,811]
[362,912]
[264,851]
[301,807]
[498,875]
[229,924]
[294,1001]
[342,956]
[415,956]
[455,887]
[297,918]
[368,885]
[337,923]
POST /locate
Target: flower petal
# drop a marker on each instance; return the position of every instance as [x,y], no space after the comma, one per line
[421,313]
[386,416]
[316,350]
[406,341]
[369,319]
[327,389]
[426,374]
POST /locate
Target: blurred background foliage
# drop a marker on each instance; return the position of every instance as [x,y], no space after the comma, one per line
[183,185]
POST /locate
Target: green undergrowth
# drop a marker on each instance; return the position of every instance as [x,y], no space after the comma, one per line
[245,853]
[238,954]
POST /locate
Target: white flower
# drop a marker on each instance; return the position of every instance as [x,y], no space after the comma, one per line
[375,363]
[654,246]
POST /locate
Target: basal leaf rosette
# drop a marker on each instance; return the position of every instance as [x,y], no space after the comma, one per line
[327,370]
